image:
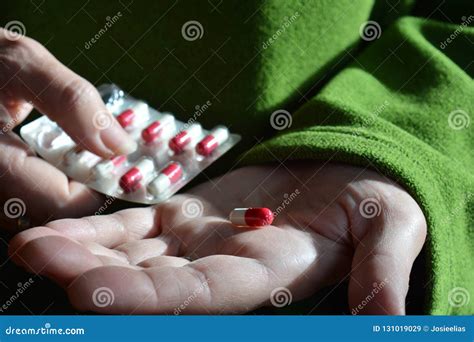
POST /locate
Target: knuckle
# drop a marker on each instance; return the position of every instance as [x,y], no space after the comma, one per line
[11,61]
[400,205]
[16,55]
[374,202]
[20,49]
[76,92]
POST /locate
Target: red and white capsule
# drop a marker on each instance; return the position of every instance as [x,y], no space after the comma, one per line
[137,176]
[157,128]
[131,115]
[167,176]
[251,217]
[126,118]
[185,139]
[212,141]
[105,168]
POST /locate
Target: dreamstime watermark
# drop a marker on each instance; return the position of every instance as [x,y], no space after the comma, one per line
[192,208]
[110,21]
[281,119]
[14,208]
[380,108]
[192,30]
[102,297]
[14,30]
[288,198]
[370,30]
[466,21]
[377,287]
[102,119]
[458,208]
[458,296]
[191,298]
[8,125]
[287,21]
[198,111]
[46,330]
[280,297]
[108,201]
[459,119]
[21,288]
[370,208]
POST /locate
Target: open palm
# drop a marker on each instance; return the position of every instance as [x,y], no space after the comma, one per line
[333,223]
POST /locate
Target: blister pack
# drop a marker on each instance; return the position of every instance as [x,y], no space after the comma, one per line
[170,153]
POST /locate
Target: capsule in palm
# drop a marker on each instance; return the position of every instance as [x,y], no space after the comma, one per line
[251,217]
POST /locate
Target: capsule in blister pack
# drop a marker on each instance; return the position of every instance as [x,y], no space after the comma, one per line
[166,178]
[170,152]
[161,128]
[133,116]
[185,139]
[217,137]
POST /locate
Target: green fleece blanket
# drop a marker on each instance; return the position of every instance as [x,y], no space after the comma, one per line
[385,84]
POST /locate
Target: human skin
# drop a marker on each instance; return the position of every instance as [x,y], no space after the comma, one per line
[143,255]
[155,259]
[31,77]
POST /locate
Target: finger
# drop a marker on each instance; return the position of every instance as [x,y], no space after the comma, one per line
[213,284]
[12,112]
[111,230]
[44,251]
[241,277]
[127,229]
[30,73]
[384,257]
[49,192]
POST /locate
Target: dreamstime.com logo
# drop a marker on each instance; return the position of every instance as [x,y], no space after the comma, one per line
[466,21]
[377,287]
[288,198]
[102,297]
[110,21]
[459,296]
[107,203]
[370,30]
[192,30]
[192,208]
[281,119]
[21,288]
[14,208]
[7,122]
[280,297]
[102,120]
[459,119]
[14,30]
[47,329]
[370,208]
[191,298]
[281,30]
[198,111]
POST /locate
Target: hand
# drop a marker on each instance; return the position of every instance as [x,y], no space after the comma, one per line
[338,223]
[31,77]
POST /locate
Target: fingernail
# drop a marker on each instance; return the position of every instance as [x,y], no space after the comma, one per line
[129,147]
[117,140]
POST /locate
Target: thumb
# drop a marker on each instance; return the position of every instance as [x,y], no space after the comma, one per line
[385,255]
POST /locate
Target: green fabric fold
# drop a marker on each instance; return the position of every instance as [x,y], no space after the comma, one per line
[404,108]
